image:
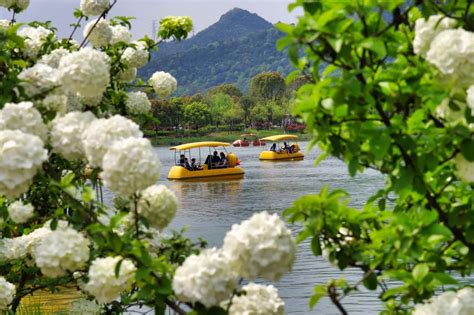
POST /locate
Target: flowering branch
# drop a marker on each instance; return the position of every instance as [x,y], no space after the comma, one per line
[96,22]
[78,23]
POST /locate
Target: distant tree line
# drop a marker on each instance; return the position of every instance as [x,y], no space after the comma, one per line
[269,102]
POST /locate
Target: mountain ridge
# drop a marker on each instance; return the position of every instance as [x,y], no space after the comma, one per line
[235,48]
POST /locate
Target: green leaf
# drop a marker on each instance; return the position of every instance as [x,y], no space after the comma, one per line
[420,271]
[374,44]
[467,149]
[371,281]
[319,291]
[316,246]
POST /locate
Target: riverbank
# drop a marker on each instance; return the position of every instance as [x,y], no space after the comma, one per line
[167,139]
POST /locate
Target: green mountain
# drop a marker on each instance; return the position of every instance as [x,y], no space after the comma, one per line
[234,49]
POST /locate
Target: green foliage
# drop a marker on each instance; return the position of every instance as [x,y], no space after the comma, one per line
[268,86]
[374,106]
[228,89]
[196,115]
[176,27]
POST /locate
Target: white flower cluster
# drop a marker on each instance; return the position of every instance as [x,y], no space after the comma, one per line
[163,83]
[21,246]
[137,103]
[94,7]
[7,293]
[62,250]
[470,99]
[54,57]
[130,165]
[86,72]
[137,56]
[24,117]
[100,33]
[20,212]
[102,133]
[55,102]
[464,168]
[158,205]
[205,278]
[39,79]
[19,5]
[22,155]
[35,37]
[258,300]
[452,52]
[260,247]
[83,306]
[120,34]
[66,134]
[4,24]
[426,31]
[127,75]
[103,284]
[452,303]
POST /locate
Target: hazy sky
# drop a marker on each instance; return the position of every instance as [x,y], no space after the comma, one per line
[203,12]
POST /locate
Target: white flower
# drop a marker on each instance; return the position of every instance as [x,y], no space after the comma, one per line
[22,155]
[86,71]
[163,83]
[62,250]
[102,133]
[66,134]
[464,168]
[257,300]
[22,4]
[20,212]
[130,165]
[452,303]
[120,34]
[137,56]
[23,116]
[158,205]
[127,75]
[452,52]
[103,284]
[137,103]
[260,247]
[100,32]
[54,57]
[39,79]
[90,101]
[7,3]
[426,31]
[21,246]
[73,103]
[4,25]
[7,293]
[55,102]
[204,278]
[94,7]
[35,37]
[83,306]
[470,99]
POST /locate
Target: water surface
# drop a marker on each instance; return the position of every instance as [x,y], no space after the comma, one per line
[210,209]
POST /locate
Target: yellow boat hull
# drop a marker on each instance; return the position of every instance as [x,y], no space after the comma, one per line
[180,173]
[282,156]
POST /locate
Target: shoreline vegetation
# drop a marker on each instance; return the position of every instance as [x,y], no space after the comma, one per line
[169,138]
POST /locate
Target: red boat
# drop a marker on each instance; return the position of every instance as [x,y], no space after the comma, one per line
[244,142]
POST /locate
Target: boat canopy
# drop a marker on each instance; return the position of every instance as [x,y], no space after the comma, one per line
[280,138]
[201,144]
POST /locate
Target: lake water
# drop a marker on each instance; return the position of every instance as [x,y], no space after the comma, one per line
[210,209]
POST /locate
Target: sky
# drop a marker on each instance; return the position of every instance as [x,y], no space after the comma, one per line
[203,12]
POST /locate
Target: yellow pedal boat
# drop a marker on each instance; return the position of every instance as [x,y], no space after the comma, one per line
[287,153]
[223,166]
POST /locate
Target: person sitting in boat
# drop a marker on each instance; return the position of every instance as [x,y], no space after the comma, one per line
[286,147]
[223,160]
[293,148]
[215,160]
[187,165]
[182,160]
[273,147]
[195,166]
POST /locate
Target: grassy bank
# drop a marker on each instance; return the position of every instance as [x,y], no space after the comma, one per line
[171,138]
